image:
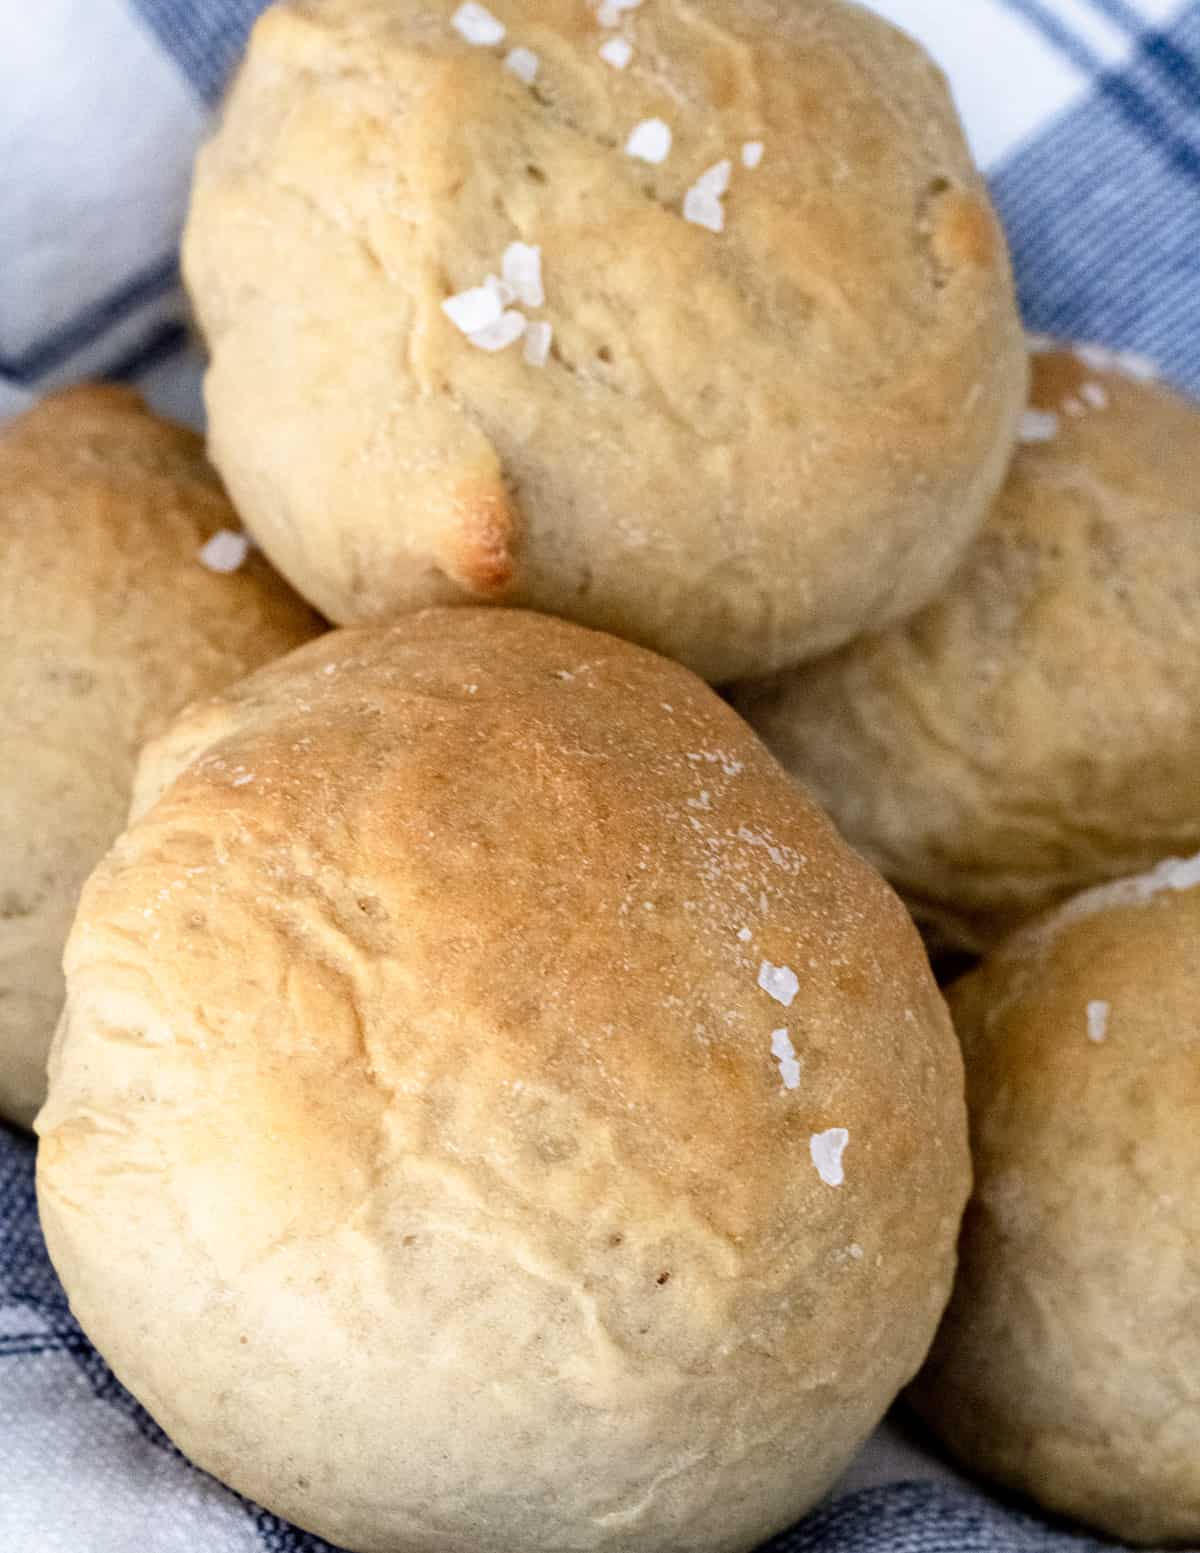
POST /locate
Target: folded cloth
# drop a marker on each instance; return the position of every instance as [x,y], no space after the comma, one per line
[1086,116]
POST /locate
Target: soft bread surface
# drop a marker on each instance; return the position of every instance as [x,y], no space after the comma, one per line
[1068,1365]
[418,1148]
[1037,729]
[746,447]
[109,625]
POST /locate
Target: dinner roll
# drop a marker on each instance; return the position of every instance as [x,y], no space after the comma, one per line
[763,364]
[1037,730]
[1068,1366]
[110,621]
[494,1110]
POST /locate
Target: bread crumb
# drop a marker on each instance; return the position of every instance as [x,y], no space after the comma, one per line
[225,551]
[524,64]
[826,1149]
[1097,1021]
[649,141]
[785,1054]
[477,24]
[779,982]
[617,52]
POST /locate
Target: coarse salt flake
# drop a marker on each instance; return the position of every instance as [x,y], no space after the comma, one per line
[617,52]
[477,24]
[538,337]
[522,270]
[505,294]
[785,1055]
[649,141]
[1097,1021]
[703,208]
[744,935]
[1129,363]
[1037,426]
[609,14]
[779,982]
[826,1149]
[1095,394]
[716,178]
[752,154]
[524,64]
[225,551]
[498,336]
[475,309]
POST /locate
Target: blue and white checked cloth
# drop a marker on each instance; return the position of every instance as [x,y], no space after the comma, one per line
[1086,115]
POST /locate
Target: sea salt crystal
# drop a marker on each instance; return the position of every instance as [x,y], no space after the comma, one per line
[703,208]
[609,14]
[477,24]
[617,52]
[475,309]
[702,202]
[715,179]
[524,64]
[785,1054]
[225,551]
[498,336]
[779,982]
[1037,426]
[744,935]
[522,270]
[504,293]
[649,141]
[752,154]
[826,1149]
[1129,363]
[538,337]
[1097,1021]
[1095,394]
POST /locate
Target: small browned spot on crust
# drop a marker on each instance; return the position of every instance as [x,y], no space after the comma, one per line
[480,554]
[962,231]
[1057,376]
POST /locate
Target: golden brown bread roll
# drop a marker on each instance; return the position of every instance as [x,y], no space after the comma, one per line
[1037,730]
[745,446]
[1068,1365]
[109,623]
[493,1108]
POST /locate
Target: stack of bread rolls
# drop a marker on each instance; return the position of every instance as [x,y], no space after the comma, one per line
[492,1107]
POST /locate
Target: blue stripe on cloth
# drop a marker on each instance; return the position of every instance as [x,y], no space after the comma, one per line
[160,345]
[206,41]
[1129,90]
[1174,65]
[1105,229]
[146,285]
